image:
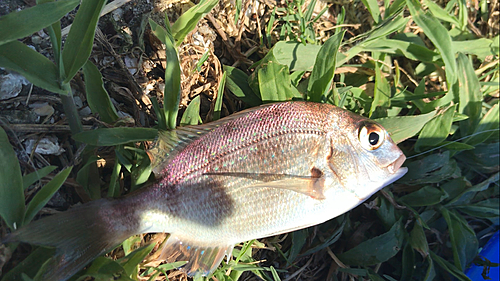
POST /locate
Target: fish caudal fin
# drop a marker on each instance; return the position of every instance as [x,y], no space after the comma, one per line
[79,235]
[201,260]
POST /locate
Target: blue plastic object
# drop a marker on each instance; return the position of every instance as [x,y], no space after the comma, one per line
[491,252]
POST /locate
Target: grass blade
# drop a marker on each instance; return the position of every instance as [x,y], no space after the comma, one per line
[35,67]
[44,194]
[470,95]
[382,92]
[490,121]
[23,23]
[372,6]
[132,260]
[81,37]
[37,175]
[449,267]
[187,22]
[439,36]
[97,97]
[11,185]
[440,13]
[220,97]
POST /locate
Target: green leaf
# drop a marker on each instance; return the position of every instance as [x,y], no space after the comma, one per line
[299,238]
[485,129]
[30,265]
[439,36]
[463,239]
[192,114]
[455,188]
[188,20]
[394,7]
[385,28]
[324,68]
[115,136]
[425,196]
[404,48]
[35,67]
[81,37]
[483,159]
[418,241]
[11,185]
[440,13]
[37,175]
[372,6]
[97,97]
[172,92]
[448,267]
[19,24]
[329,241]
[487,208]
[403,127]
[44,194]
[375,250]
[430,274]
[431,169]
[276,277]
[386,212]
[382,91]
[470,95]
[132,260]
[467,194]
[297,56]
[105,269]
[436,130]
[481,47]
[88,175]
[237,83]
[220,97]
[114,188]
[272,81]
[408,262]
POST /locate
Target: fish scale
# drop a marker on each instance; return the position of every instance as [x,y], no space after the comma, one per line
[257,173]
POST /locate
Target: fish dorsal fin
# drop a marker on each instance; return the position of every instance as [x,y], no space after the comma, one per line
[312,186]
[201,259]
[170,142]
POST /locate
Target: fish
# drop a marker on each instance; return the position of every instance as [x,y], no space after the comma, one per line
[261,172]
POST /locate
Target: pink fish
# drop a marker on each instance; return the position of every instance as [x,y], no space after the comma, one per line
[261,172]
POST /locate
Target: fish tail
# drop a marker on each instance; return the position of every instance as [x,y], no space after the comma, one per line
[79,235]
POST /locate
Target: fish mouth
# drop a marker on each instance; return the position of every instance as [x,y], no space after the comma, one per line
[395,170]
[396,165]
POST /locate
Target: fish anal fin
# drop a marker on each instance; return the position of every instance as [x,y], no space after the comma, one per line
[202,259]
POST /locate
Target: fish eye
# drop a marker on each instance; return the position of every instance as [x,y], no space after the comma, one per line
[371,136]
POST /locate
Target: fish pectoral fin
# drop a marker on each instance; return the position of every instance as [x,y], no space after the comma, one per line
[313,187]
[202,259]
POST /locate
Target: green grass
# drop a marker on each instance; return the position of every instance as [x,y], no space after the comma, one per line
[435,91]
